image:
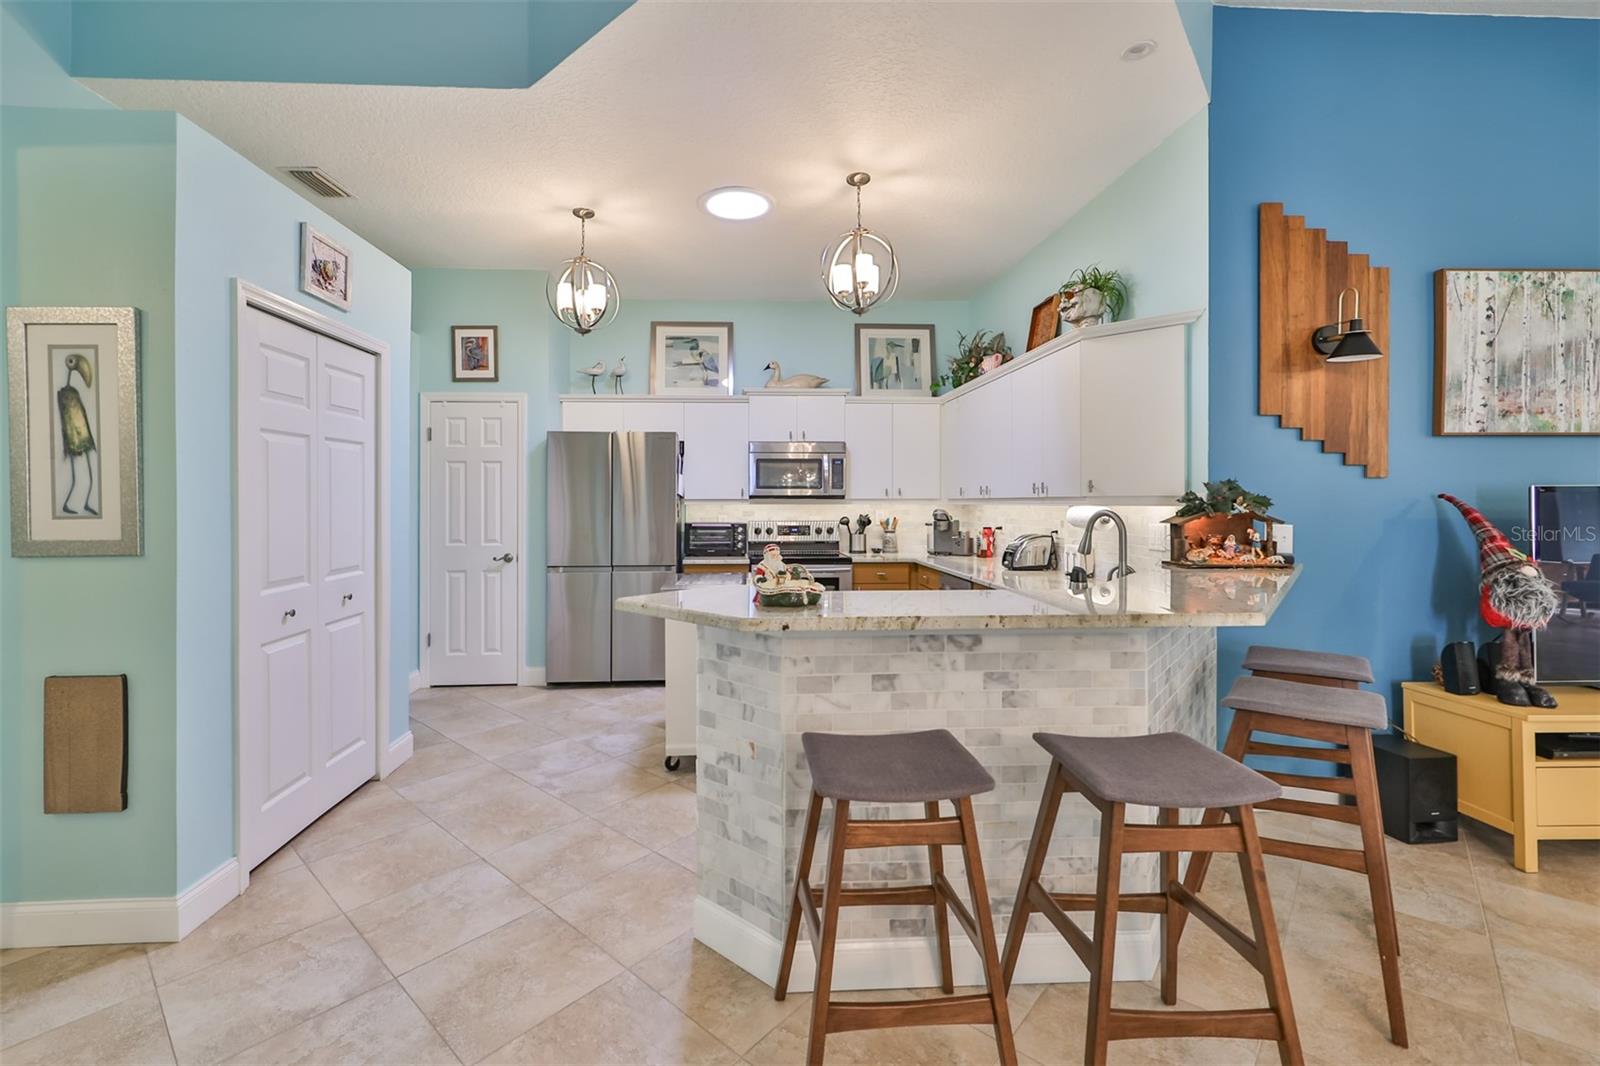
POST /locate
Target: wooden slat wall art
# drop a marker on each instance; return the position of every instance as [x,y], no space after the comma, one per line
[1345,406]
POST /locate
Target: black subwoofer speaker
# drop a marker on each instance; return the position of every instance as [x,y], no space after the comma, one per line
[1416,789]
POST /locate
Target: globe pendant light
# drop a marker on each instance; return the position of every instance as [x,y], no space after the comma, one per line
[582,294]
[859,269]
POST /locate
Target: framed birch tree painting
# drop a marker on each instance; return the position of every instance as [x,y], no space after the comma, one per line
[1516,352]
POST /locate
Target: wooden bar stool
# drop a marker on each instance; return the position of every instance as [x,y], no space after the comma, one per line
[926,768]
[1167,771]
[1313,695]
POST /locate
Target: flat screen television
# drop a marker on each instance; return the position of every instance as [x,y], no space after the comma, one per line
[1566,547]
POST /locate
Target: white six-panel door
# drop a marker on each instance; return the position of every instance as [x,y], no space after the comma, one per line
[307,552]
[474,542]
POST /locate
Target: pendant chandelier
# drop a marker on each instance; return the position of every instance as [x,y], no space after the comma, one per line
[582,294]
[859,269]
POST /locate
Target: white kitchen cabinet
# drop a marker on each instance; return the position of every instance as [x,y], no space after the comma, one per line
[593,416]
[1045,427]
[954,415]
[653,416]
[869,442]
[983,445]
[916,450]
[715,451]
[1133,420]
[796,417]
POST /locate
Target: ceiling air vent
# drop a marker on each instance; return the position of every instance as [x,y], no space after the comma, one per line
[318,182]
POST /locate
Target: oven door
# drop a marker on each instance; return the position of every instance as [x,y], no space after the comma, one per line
[785,471]
[833,578]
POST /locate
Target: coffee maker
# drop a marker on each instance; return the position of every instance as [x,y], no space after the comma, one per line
[945,536]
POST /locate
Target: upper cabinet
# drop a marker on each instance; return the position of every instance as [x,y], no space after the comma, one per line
[1134,414]
[893,450]
[716,436]
[804,416]
[1101,413]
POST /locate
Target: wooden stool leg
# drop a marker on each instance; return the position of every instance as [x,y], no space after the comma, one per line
[834,885]
[1105,933]
[802,875]
[1365,776]
[1043,825]
[1253,871]
[941,913]
[1200,861]
[981,914]
[1169,926]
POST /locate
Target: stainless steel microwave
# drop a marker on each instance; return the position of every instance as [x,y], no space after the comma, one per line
[782,470]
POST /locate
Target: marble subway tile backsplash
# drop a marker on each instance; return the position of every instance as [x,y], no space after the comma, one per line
[758,693]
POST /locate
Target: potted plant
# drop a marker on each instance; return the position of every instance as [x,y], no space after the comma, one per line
[1091,296]
[978,354]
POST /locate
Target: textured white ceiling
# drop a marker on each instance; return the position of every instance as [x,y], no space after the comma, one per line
[1574,9]
[984,125]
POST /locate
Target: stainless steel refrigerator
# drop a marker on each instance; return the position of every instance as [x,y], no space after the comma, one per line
[614,505]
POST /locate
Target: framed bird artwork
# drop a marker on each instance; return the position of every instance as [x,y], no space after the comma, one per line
[75,475]
[474,353]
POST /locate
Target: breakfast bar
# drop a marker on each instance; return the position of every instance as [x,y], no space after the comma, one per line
[993,665]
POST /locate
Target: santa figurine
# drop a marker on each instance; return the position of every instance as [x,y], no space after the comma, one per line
[1515,597]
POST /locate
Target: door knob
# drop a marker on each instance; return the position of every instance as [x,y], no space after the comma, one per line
[506,558]
[288,614]
[348,596]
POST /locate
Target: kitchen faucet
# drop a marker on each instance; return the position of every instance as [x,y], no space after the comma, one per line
[1086,547]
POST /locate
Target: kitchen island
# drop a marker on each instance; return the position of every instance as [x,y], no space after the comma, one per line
[992,665]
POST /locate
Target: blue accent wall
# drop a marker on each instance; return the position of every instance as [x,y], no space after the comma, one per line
[1427,142]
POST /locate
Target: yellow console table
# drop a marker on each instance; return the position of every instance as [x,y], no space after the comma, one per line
[1500,781]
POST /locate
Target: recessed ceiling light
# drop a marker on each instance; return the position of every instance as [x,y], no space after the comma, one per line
[736,202]
[1138,50]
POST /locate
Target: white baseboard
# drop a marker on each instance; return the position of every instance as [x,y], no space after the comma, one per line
[395,755]
[911,962]
[415,682]
[532,675]
[147,920]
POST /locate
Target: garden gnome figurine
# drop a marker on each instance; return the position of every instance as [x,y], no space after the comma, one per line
[1515,597]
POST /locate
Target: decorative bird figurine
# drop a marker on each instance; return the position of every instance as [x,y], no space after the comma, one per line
[797,381]
[619,372]
[593,373]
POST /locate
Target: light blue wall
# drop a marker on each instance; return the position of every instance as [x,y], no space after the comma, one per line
[1151,225]
[805,336]
[86,204]
[497,44]
[235,221]
[35,47]
[1196,16]
[513,300]
[1439,173]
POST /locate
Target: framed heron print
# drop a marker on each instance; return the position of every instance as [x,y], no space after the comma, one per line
[74,375]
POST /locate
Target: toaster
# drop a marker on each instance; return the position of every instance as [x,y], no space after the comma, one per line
[1031,551]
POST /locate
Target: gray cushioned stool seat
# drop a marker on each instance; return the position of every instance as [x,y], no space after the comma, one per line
[1157,770]
[893,767]
[1316,703]
[1315,663]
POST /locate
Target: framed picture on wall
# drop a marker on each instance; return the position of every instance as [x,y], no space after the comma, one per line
[894,361]
[691,358]
[324,267]
[74,375]
[474,353]
[1514,352]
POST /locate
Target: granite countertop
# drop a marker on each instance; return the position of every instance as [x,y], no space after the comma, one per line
[1153,596]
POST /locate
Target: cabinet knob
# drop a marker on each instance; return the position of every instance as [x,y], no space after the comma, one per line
[1091,484]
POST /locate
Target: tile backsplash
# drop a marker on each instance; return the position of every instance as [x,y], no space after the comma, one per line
[1146,533]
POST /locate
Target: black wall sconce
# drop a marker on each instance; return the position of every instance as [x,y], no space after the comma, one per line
[1347,340]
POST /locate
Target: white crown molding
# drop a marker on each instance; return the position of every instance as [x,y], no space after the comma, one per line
[1569,9]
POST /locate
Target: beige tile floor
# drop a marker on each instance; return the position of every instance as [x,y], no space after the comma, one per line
[520,891]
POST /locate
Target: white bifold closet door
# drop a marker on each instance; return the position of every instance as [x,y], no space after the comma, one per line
[307,548]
